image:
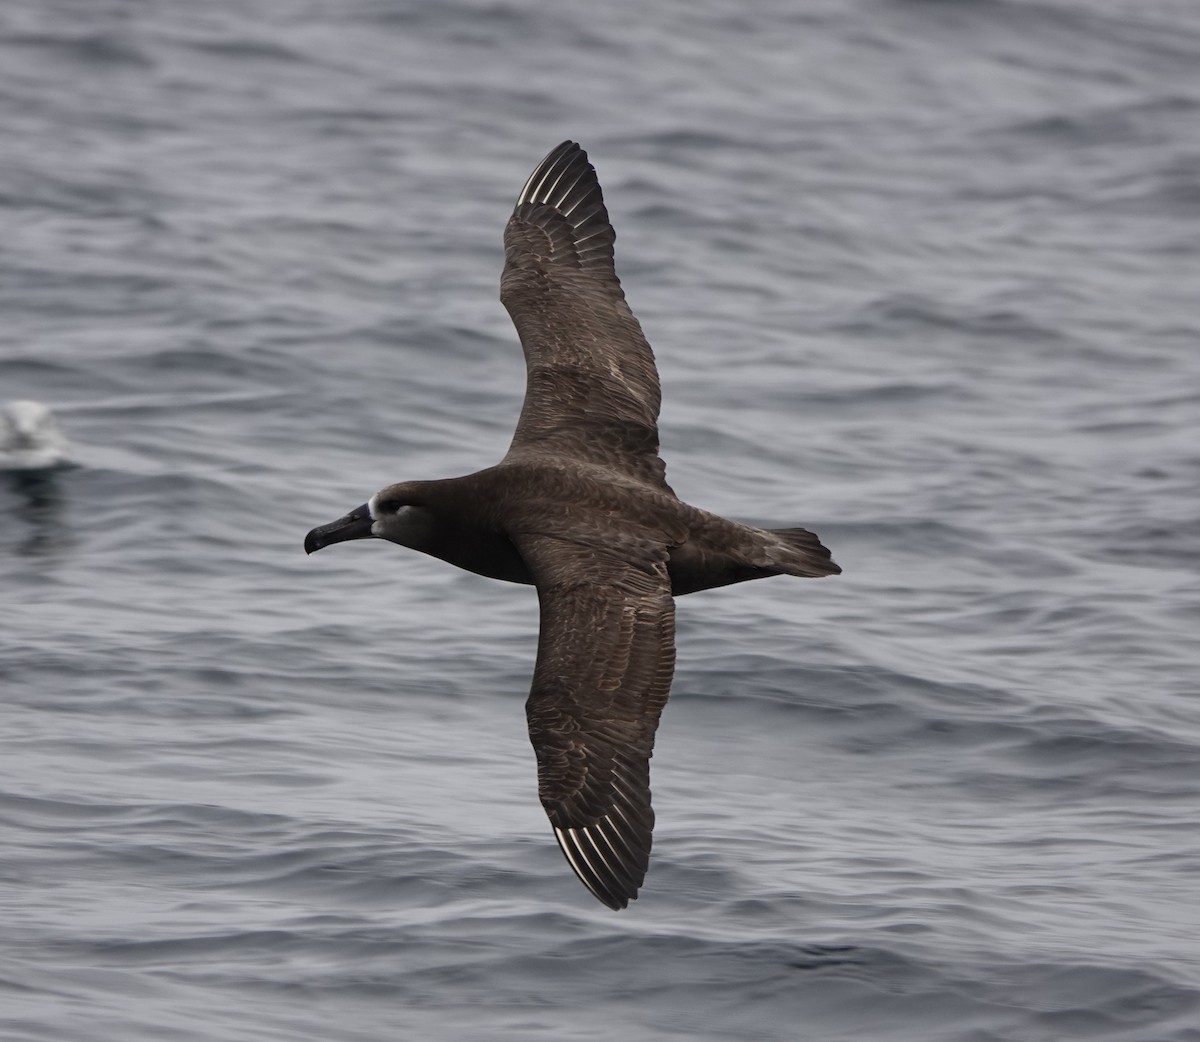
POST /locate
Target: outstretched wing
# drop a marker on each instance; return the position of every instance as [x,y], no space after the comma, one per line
[592,391]
[606,655]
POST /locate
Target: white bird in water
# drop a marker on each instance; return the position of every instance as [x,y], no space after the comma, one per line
[30,438]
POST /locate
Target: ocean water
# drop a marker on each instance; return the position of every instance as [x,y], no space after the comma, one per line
[921,275]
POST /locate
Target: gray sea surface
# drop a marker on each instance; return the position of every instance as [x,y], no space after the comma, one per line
[921,275]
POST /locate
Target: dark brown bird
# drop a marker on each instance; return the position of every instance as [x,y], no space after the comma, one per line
[580,508]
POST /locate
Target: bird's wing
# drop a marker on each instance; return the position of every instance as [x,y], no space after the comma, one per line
[592,390]
[606,655]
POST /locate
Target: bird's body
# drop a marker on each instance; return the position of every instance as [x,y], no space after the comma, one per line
[467,522]
[580,508]
[30,438]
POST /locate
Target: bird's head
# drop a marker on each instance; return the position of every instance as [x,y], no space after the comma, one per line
[389,514]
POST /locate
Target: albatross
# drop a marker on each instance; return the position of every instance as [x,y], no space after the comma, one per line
[580,508]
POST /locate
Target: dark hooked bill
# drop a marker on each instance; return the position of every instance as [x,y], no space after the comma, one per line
[355,525]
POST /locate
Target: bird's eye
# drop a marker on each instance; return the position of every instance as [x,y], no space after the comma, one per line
[389,506]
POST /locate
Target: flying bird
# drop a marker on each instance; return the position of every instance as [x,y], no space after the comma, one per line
[580,508]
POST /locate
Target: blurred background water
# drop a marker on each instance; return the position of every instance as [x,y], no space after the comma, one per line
[921,275]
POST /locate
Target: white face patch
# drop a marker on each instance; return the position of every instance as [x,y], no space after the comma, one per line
[389,525]
[376,520]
